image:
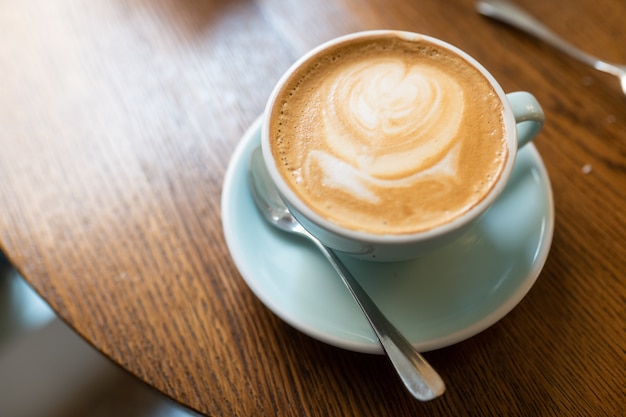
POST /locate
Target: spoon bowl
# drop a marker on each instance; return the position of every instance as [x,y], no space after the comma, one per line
[418,376]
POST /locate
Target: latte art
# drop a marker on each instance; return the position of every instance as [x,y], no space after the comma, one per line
[384,122]
[392,138]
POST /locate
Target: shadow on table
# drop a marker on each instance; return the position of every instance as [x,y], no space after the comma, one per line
[191,18]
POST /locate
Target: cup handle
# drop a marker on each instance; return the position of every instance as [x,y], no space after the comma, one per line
[528,116]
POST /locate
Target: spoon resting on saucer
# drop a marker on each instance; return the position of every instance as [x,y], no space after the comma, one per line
[418,376]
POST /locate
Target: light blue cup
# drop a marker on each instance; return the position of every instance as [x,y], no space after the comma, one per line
[523,119]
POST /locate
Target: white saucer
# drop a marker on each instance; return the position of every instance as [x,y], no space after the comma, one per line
[440,299]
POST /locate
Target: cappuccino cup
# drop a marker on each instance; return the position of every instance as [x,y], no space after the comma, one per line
[388,144]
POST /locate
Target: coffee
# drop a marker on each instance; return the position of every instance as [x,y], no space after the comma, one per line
[389,136]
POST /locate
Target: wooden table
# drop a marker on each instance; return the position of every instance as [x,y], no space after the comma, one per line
[118,121]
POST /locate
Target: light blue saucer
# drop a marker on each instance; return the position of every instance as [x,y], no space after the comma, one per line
[440,299]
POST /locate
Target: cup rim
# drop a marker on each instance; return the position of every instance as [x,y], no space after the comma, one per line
[293,200]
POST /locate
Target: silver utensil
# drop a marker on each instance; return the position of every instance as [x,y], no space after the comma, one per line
[418,376]
[513,15]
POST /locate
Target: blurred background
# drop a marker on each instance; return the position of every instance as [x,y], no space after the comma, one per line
[47,370]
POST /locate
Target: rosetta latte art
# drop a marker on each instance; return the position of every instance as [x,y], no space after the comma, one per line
[386,124]
[389,136]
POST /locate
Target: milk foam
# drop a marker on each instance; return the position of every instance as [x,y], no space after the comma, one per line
[389,119]
[388,140]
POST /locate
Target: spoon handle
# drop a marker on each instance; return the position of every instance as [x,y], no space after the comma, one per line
[513,15]
[417,375]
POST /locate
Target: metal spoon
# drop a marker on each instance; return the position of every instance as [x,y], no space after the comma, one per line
[418,376]
[507,12]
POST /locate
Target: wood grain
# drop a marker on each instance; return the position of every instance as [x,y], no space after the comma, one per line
[119,118]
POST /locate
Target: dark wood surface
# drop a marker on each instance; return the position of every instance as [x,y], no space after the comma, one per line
[118,120]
